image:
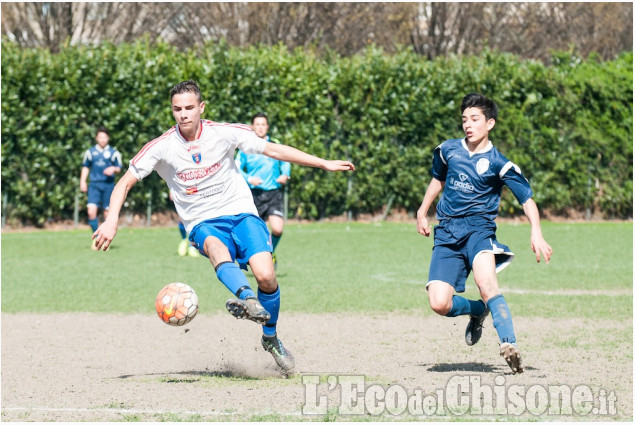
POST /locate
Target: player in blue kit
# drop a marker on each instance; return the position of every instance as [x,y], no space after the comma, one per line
[266,178]
[101,163]
[471,172]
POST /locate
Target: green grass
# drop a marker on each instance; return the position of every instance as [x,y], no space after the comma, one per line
[324,267]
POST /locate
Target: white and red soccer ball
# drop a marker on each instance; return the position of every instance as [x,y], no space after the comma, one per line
[176,304]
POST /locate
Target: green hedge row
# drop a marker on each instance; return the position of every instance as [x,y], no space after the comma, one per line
[569,126]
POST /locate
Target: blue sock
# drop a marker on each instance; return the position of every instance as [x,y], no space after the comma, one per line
[94,224]
[234,280]
[271,303]
[182,230]
[502,318]
[462,306]
[274,240]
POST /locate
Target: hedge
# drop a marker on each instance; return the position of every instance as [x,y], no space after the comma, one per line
[569,126]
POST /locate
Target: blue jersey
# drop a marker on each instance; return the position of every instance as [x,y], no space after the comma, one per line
[264,167]
[98,159]
[474,181]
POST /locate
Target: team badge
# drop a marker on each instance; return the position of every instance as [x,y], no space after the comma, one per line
[107,154]
[482,165]
[191,190]
[196,157]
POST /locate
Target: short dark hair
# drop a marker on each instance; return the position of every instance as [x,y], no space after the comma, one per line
[188,86]
[102,129]
[477,100]
[260,115]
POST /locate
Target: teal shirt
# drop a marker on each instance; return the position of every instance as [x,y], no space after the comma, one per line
[268,169]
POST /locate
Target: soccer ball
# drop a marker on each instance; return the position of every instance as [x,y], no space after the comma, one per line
[177,304]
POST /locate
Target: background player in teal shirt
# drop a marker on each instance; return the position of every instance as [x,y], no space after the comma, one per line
[266,178]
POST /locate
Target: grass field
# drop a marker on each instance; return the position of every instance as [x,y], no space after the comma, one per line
[81,341]
[324,267]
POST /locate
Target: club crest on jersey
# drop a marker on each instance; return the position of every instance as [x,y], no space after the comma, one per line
[482,165]
[196,157]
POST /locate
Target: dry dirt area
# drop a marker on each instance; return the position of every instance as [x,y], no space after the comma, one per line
[97,367]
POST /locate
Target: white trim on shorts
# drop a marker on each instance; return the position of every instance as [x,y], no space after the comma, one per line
[497,251]
[97,206]
[437,280]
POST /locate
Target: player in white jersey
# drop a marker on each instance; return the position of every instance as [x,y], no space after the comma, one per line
[471,173]
[196,159]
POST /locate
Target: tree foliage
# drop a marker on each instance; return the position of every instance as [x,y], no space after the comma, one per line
[528,29]
[569,125]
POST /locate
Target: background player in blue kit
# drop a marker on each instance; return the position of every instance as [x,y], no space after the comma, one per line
[101,163]
[471,173]
[266,178]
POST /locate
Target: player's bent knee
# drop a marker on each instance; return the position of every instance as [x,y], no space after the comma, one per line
[265,276]
[268,286]
[440,296]
[441,308]
[91,211]
[440,304]
[262,268]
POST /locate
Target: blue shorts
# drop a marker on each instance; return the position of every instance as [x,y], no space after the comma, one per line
[244,235]
[457,242]
[99,194]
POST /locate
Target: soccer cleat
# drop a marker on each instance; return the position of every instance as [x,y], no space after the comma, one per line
[275,261]
[183,248]
[511,355]
[474,328]
[193,252]
[281,355]
[249,309]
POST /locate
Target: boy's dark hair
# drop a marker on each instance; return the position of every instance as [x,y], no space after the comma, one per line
[102,129]
[260,115]
[188,86]
[477,100]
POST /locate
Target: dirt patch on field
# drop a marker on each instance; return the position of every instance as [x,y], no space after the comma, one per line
[97,367]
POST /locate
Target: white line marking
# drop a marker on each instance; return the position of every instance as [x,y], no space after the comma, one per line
[394,278]
[142,411]
[570,292]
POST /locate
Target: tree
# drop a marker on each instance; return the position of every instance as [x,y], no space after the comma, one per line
[51,24]
[531,30]
[432,29]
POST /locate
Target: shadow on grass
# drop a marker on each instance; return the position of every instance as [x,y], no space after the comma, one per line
[469,367]
[194,375]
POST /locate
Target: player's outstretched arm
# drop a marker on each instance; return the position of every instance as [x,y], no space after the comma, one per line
[434,188]
[108,229]
[289,154]
[538,244]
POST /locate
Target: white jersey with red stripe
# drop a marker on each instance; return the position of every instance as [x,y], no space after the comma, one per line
[202,174]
